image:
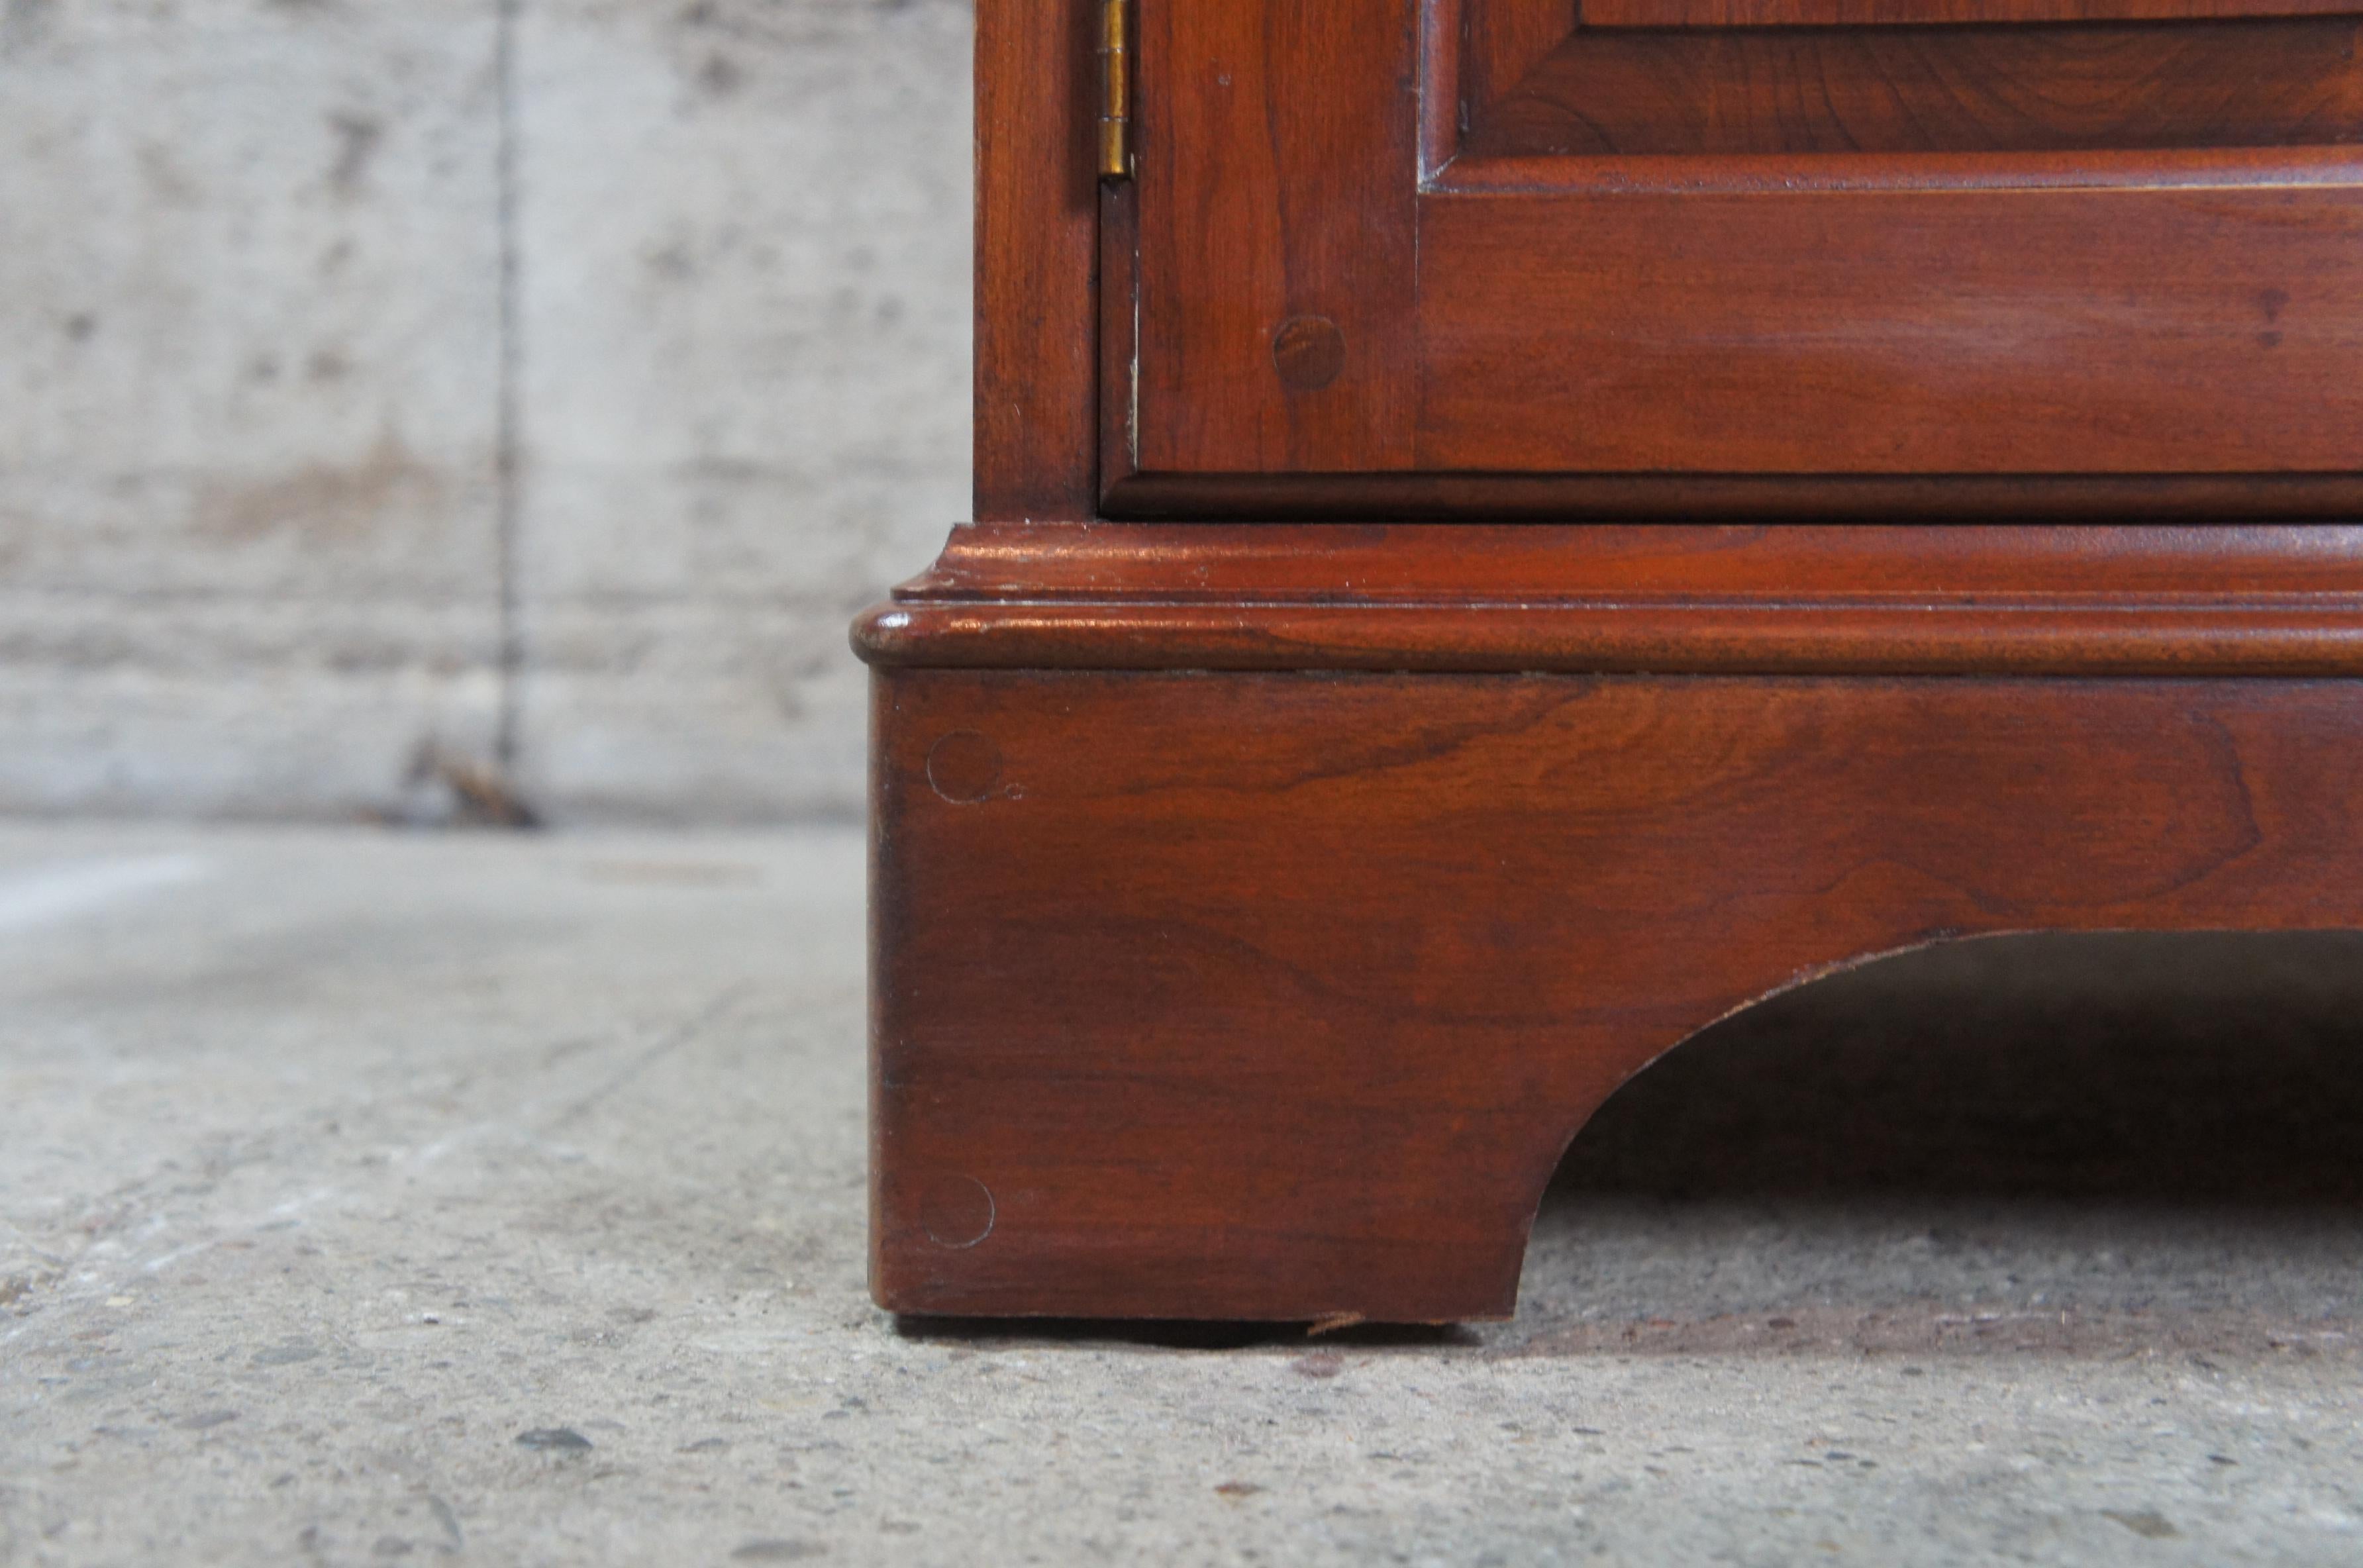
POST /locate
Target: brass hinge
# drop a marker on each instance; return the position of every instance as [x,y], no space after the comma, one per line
[1116,93]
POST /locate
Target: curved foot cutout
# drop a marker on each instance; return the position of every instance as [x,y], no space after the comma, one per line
[1279,996]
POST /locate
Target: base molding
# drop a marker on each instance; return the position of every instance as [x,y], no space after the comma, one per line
[2282,599]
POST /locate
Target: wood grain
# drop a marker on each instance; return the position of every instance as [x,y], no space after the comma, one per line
[1278,171]
[1279,996]
[1930,600]
[1036,227]
[1258,908]
[1502,42]
[2037,268]
[2020,567]
[1910,13]
[1934,90]
[1804,499]
[2111,332]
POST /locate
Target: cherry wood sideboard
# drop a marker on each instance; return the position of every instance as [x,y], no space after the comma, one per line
[1508,530]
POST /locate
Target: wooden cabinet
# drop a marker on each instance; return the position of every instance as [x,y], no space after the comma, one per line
[1505,532]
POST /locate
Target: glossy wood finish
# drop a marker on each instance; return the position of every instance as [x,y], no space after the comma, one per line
[1279,996]
[1922,13]
[1258,907]
[1475,53]
[1890,334]
[1762,568]
[1932,601]
[1036,233]
[1820,498]
[1957,89]
[1276,150]
[1799,257]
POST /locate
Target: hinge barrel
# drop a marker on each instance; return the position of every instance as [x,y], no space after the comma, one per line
[1115,92]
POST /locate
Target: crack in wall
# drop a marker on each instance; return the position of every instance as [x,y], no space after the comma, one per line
[509,413]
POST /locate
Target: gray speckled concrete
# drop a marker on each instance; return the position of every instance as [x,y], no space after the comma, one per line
[283,281]
[499,1200]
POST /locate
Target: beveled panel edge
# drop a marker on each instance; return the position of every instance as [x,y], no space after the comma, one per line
[2279,600]
[1875,173]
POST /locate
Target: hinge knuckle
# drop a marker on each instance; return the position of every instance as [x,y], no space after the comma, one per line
[1115,92]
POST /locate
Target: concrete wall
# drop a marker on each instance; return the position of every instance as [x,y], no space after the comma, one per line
[515,395]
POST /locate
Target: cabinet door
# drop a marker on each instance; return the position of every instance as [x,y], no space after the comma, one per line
[1468,255]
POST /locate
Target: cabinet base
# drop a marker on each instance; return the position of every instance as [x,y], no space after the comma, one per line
[1278,994]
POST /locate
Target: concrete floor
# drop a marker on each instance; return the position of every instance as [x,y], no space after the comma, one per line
[500,1199]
